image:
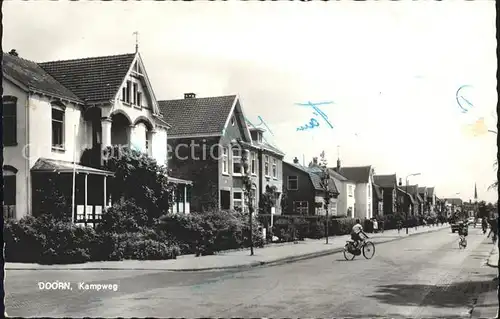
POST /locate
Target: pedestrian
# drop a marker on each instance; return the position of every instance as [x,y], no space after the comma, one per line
[375,225]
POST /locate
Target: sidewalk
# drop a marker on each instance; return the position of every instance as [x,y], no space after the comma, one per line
[487,305]
[493,259]
[269,255]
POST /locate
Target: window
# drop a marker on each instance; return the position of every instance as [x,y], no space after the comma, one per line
[350,190]
[57,127]
[254,162]
[224,161]
[9,120]
[128,91]
[293,183]
[139,98]
[238,200]
[232,121]
[237,167]
[266,165]
[369,191]
[134,96]
[124,93]
[9,192]
[301,207]
[275,168]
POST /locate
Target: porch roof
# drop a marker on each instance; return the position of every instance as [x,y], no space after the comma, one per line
[45,165]
[179,181]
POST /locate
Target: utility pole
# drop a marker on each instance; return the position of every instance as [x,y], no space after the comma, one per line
[325,179]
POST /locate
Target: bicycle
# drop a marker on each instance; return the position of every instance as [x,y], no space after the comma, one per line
[366,247]
[463,242]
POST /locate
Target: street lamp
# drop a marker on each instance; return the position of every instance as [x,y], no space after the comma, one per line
[408,208]
[249,186]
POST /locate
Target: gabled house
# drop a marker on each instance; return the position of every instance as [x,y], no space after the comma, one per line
[388,184]
[305,190]
[346,201]
[422,191]
[378,200]
[431,199]
[363,177]
[406,201]
[418,201]
[209,141]
[57,112]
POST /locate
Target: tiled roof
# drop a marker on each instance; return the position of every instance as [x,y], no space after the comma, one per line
[385,180]
[421,190]
[359,174]
[34,77]
[314,174]
[49,165]
[197,116]
[337,175]
[407,193]
[271,148]
[94,79]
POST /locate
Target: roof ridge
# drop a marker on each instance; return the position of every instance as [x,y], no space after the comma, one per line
[198,98]
[87,58]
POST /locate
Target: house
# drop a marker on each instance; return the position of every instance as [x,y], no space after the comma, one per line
[306,191]
[423,192]
[406,201]
[363,177]
[209,142]
[388,184]
[378,200]
[55,111]
[346,201]
[419,201]
[454,205]
[431,199]
[269,167]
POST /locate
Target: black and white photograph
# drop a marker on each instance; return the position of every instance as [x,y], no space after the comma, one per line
[250,159]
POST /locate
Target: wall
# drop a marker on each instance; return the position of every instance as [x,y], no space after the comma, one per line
[351,200]
[305,191]
[196,164]
[13,155]
[270,180]
[342,198]
[361,195]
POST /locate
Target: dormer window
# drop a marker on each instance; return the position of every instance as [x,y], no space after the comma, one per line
[232,121]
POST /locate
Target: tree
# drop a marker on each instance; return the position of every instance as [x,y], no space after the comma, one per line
[482,210]
[141,178]
[495,184]
[325,179]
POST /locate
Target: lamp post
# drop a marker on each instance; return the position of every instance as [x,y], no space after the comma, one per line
[406,189]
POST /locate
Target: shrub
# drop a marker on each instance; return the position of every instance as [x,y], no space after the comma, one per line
[209,232]
[141,178]
[123,216]
[316,229]
[48,241]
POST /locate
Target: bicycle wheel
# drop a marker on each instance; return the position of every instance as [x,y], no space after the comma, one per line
[348,255]
[368,250]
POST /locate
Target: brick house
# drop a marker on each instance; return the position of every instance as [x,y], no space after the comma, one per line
[423,192]
[56,112]
[388,183]
[406,201]
[378,200]
[418,200]
[207,145]
[305,190]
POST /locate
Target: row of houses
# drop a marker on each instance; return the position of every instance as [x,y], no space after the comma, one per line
[55,113]
[358,192]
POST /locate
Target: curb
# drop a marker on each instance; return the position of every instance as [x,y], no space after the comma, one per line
[276,262]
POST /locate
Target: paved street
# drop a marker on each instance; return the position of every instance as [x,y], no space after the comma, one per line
[419,276]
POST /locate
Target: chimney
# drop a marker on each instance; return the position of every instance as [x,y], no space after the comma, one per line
[296,161]
[189,95]
[400,182]
[13,52]
[338,165]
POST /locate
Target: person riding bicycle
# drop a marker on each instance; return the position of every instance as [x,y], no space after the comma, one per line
[463,229]
[357,230]
[484,224]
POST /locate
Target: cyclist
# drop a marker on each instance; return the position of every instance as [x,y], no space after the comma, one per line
[463,230]
[357,230]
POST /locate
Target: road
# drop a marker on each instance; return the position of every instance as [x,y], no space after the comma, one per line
[420,276]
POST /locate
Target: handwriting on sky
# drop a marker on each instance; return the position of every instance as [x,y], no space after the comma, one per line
[463,98]
[318,114]
[259,124]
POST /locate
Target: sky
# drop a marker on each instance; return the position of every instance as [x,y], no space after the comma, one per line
[391,70]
